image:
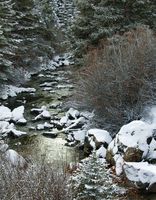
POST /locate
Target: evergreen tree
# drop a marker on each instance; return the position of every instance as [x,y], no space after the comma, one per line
[27,34]
[103,18]
[93,181]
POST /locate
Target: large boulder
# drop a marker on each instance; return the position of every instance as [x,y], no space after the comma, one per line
[141,174]
[134,142]
[97,139]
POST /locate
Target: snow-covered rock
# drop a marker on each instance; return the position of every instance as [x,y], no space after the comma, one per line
[79,136]
[3,126]
[97,139]
[44,113]
[135,138]
[15,159]
[72,113]
[38,110]
[18,115]
[100,136]
[12,91]
[7,129]
[101,152]
[44,126]
[134,142]
[5,113]
[142,174]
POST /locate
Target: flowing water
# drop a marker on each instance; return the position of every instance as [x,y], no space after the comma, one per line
[52,89]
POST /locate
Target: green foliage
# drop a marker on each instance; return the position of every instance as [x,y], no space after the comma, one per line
[93,182]
[103,18]
[26,34]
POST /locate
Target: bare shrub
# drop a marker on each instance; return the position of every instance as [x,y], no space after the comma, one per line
[119,78]
[38,182]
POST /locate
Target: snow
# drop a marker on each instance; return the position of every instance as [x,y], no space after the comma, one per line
[17,115]
[44,113]
[44,126]
[5,113]
[79,136]
[64,120]
[92,143]
[135,134]
[14,158]
[141,172]
[101,152]
[6,128]
[119,164]
[3,126]
[12,91]
[73,113]
[100,135]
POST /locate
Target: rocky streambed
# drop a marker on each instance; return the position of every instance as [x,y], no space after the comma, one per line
[51,88]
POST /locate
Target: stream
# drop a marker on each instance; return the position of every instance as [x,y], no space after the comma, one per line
[52,88]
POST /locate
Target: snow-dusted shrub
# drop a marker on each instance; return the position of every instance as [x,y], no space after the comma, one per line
[37,181]
[119,77]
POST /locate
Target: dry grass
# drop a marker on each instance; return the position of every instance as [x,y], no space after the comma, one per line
[37,182]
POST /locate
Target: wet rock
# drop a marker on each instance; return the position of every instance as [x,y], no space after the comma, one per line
[50,134]
[133,154]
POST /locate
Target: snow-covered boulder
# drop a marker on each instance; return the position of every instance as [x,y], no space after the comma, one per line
[5,113]
[97,139]
[18,115]
[135,141]
[142,174]
[100,137]
[15,159]
[77,136]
